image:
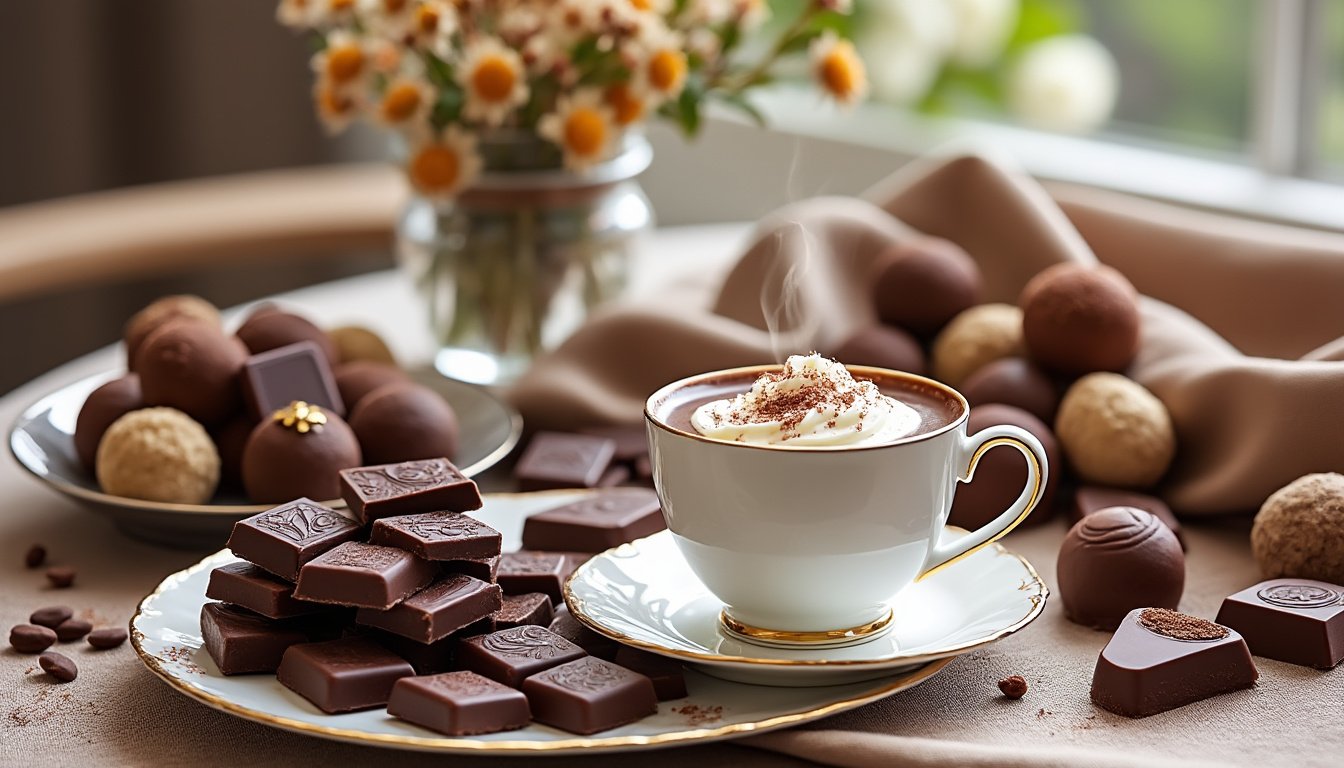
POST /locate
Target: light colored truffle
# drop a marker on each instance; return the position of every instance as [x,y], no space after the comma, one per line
[1115,432]
[158,454]
[354,342]
[975,337]
[1299,531]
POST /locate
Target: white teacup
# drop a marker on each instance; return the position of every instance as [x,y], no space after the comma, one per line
[807,546]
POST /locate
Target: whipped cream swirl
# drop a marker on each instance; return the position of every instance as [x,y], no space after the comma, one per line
[812,402]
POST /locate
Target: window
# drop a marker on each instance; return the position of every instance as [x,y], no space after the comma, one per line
[1331,118]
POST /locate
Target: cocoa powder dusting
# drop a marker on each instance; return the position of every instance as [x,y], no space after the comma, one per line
[1180,626]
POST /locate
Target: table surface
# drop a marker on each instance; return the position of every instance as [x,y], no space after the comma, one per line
[117,713]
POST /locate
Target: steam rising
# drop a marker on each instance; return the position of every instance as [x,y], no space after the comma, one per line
[794,274]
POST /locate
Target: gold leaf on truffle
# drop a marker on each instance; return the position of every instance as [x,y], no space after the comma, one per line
[301,417]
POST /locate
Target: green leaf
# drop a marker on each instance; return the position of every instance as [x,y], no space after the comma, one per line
[448,109]
[685,111]
[439,72]
[740,102]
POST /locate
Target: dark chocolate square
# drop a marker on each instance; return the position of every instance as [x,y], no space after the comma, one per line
[363,576]
[274,379]
[283,538]
[632,440]
[437,611]
[411,487]
[458,704]
[589,695]
[344,675]
[562,460]
[509,655]
[246,585]
[438,535]
[243,643]
[565,625]
[483,568]
[528,608]
[1300,621]
[597,522]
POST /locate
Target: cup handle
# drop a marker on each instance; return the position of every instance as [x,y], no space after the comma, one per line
[973,447]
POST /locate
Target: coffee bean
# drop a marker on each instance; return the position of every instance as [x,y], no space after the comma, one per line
[107,637]
[61,576]
[1013,686]
[59,666]
[72,629]
[51,616]
[36,556]
[26,638]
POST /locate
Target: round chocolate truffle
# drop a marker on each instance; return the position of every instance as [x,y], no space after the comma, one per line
[976,338]
[148,320]
[270,328]
[1299,531]
[1117,560]
[230,440]
[297,453]
[353,342]
[403,422]
[920,285]
[103,406]
[357,379]
[1016,382]
[1002,472]
[1115,432]
[1079,318]
[158,454]
[193,367]
[882,346]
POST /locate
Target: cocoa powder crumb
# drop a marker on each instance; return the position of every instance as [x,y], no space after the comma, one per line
[1013,686]
[1180,626]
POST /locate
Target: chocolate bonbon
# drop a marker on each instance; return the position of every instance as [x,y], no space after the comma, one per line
[282,539]
[158,454]
[589,695]
[1080,318]
[407,488]
[248,586]
[363,575]
[159,312]
[440,609]
[404,422]
[1159,659]
[1116,560]
[426,658]
[270,328]
[922,284]
[355,380]
[243,643]
[344,675]
[561,460]
[458,704]
[882,346]
[520,610]
[596,522]
[276,378]
[1299,530]
[1300,621]
[193,367]
[103,406]
[1088,499]
[510,655]
[1016,382]
[297,452]
[669,680]
[1001,474]
[438,536]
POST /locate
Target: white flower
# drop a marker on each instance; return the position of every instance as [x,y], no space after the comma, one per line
[327,13]
[405,103]
[392,19]
[1067,83]
[982,29]
[439,169]
[337,106]
[905,44]
[660,66]
[837,68]
[492,76]
[582,126]
[296,14]
[707,12]
[751,14]
[901,74]
[432,25]
[347,61]
[571,20]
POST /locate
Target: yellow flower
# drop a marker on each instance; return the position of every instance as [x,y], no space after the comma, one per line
[492,76]
[583,126]
[440,169]
[405,102]
[627,106]
[345,62]
[337,107]
[838,69]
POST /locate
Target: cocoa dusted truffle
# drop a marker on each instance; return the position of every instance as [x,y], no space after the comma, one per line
[271,328]
[1002,472]
[975,338]
[356,379]
[148,320]
[1115,432]
[882,346]
[193,367]
[1016,382]
[922,284]
[1079,318]
[103,406]
[158,454]
[1299,530]
[297,453]
[1116,560]
[404,422]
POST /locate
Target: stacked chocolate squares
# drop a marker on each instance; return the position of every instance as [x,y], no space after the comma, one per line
[407,602]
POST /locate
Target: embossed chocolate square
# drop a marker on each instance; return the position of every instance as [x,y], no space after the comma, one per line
[526,571]
[246,585]
[562,460]
[458,704]
[1300,621]
[407,488]
[449,604]
[282,539]
[589,695]
[510,655]
[438,536]
[597,522]
[363,576]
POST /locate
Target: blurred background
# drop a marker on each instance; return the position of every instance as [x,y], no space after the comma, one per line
[1228,105]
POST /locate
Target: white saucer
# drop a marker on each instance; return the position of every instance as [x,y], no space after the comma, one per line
[644,594]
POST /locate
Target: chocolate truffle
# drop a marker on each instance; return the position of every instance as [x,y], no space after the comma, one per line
[922,284]
[148,320]
[1117,560]
[1080,318]
[353,342]
[1299,531]
[296,453]
[270,328]
[230,440]
[1002,472]
[882,346]
[976,338]
[1016,382]
[356,379]
[193,367]
[402,422]
[103,406]
[1115,432]
[158,454]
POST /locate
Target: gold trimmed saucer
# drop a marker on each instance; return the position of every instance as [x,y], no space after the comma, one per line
[782,638]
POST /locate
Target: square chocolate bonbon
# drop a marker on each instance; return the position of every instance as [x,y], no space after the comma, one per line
[440,609]
[589,695]
[274,379]
[483,568]
[363,576]
[344,675]
[427,659]
[438,535]
[244,584]
[526,571]
[561,460]
[669,679]
[528,608]
[283,538]
[458,704]
[1300,621]
[510,655]
[243,643]
[407,488]
[597,522]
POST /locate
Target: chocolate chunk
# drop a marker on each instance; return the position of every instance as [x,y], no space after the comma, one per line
[35,556]
[426,658]
[632,440]
[246,585]
[589,695]
[71,630]
[510,655]
[669,680]
[523,572]
[344,675]
[1299,621]
[483,568]
[51,616]
[438,536]
[29,638]
[565,625]
[520,610]
[1013,687]
[442,608]
[282,539]
[597,522]
[363,576]
[61,577]
[106,638]
[407,488]
[275,378]
[243,643]
[1090,499]
[59,666]
[560,460]
[458,704]
[616,474]
[1159,659]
